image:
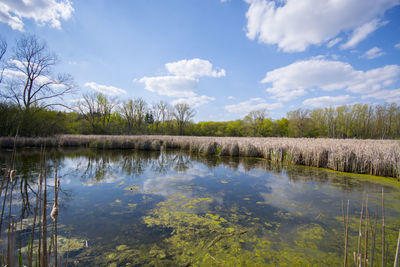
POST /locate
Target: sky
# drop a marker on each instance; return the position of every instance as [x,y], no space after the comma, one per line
[224,58]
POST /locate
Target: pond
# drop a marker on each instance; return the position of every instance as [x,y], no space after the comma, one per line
[142,208]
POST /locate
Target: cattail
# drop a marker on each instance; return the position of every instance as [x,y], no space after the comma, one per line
[54,212]
[12,175]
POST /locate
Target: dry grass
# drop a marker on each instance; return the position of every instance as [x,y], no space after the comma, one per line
[374,157]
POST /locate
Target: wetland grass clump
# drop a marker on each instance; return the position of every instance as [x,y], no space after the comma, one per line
[373,157]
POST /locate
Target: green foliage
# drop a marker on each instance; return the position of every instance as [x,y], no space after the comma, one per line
[356,121]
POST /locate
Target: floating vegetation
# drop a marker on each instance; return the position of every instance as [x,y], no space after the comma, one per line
[133,188]
[264,215]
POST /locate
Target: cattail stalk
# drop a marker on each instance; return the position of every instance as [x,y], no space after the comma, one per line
[366,233]
[5,175]
[360,235]
[396,258]
[54,215]
[346,234]
[383,230]
[374,237]
[44,227]
[4,204]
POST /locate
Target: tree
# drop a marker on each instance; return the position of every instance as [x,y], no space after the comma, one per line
[183,114]
[97,110]
[140,108]
[3,49]
[255,119]
[128,112]
[30,77]
[300,124]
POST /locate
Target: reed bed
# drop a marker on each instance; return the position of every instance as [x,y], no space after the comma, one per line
[373,157]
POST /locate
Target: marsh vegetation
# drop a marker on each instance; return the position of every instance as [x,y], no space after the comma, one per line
[131,207]
[373,157]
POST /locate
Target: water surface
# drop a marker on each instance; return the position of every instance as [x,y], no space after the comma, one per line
[136,208]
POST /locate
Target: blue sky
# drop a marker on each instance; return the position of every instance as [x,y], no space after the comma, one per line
[225,58]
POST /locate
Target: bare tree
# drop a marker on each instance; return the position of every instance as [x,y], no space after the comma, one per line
[140,108]
[30,77]
[183,114]
[128,112]
[96,109]
[3,49]
[134,111]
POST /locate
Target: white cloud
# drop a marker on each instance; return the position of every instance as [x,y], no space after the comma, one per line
[334,42]
[251,105]
[194,101]
[373,53]
[362,32]
[182,81]
[194,68]
[294,25]
[386,95]
[172,86]
[104,89]
[299,78]
[231,97]
[43,12]
[323,101]
[397,46]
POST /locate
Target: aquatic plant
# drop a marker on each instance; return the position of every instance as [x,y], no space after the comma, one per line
[374,157]
[40,246]
[363,258]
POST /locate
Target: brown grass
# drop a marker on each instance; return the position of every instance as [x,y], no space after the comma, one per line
[374,157]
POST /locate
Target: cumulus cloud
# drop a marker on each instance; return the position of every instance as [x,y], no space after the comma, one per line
[172,86]
[182,81]
[373,53]
[194,101]
[251,105]
[298,78]
[194,68]
[294,25]
[323,101]
[104,89]
[397,46]
[386,95]
[43,12]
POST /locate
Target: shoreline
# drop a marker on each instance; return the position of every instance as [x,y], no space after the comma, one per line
[371,157]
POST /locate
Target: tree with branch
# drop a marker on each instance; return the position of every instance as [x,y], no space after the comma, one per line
[30,79]
[3,50]
[183,113]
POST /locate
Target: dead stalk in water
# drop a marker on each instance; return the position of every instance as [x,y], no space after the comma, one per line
[366,233]
[358,262]
[346,234]
[396,259]
[383,230]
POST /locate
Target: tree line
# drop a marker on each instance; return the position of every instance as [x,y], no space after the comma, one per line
[30,90]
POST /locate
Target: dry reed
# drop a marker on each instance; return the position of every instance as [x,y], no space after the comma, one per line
[374,157]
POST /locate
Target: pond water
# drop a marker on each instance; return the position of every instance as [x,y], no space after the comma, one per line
[141,208]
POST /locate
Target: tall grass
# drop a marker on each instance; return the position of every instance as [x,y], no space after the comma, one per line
[374,157]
